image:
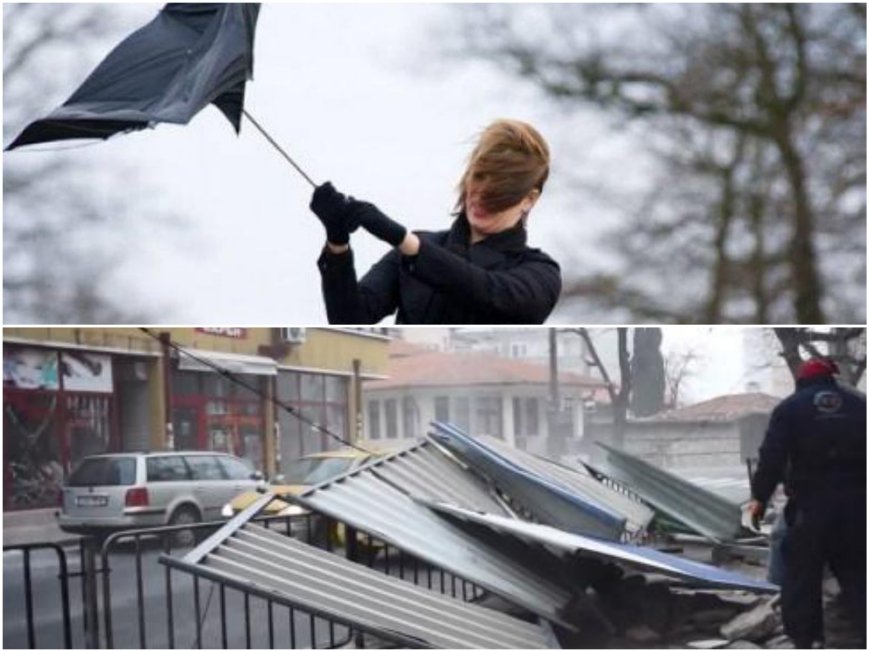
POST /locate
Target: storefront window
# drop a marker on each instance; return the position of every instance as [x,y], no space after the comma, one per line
[312,387]
[336,418]
[221,416]
[58,407]
[213,384]
[186,383]
[88,426]
[33,466]
[336,389]
[185,429]
[321,399]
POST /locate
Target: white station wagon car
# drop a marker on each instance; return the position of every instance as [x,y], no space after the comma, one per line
[123,491]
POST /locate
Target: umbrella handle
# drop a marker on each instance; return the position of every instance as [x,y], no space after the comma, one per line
[278,147]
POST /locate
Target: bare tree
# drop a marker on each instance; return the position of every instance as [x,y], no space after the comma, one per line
[679,366]
[756,116]
[845,346]
[620,395]
[64,232]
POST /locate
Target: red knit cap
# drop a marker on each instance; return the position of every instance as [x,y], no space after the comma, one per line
[816,367]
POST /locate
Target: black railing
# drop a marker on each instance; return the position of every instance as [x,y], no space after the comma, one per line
[63,577]
[129,600]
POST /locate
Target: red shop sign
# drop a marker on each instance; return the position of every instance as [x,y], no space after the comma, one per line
[221,331]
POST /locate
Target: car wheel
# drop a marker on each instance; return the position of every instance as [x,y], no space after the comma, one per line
[184,516]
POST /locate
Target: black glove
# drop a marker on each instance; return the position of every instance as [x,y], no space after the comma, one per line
[332,208]
[370,218]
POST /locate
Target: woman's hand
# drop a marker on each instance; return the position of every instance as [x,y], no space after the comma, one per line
[372,219]
[332,208]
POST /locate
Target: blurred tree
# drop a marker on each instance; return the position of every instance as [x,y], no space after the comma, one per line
[755,118]
[846,346]
[63,229]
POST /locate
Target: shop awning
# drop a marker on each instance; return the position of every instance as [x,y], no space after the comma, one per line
[237,363]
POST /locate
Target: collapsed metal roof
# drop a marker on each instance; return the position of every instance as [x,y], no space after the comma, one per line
[548,501]
[580,481]
[646,559]
[422,471]
[276,567]
[700,509]
[363,500]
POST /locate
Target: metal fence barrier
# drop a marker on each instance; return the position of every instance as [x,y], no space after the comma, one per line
[63,577]
[129,600]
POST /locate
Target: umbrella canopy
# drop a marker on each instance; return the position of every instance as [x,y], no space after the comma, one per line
[190,55]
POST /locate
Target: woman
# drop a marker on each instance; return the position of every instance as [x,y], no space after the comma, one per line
[480,271]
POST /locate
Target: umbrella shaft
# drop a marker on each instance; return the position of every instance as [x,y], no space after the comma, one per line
[278,147]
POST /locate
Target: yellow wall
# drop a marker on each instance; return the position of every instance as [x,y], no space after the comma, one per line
[335,350]
[129,339]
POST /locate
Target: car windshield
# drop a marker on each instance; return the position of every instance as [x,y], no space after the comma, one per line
[104,471]
[314,470]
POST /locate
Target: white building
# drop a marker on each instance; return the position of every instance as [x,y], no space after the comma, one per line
[527,344]
[481,393]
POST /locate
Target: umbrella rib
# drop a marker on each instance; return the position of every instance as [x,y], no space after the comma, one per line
[277,147]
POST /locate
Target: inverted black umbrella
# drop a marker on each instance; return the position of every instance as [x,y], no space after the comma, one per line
[189,56]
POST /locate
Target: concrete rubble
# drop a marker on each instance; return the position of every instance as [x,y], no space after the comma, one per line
[758,624]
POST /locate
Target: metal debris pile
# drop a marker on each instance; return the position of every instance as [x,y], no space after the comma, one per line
[558,556]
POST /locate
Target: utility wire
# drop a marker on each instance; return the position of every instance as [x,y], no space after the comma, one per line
[234,379]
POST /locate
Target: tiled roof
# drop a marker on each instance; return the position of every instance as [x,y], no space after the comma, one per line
[722,408]
[399,348]
[435,369]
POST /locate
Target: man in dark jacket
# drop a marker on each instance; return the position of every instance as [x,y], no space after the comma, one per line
[818,436]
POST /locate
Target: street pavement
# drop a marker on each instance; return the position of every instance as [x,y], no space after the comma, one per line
[125,612]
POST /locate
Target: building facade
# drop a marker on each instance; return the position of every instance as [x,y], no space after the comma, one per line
[481,393]
[71,392]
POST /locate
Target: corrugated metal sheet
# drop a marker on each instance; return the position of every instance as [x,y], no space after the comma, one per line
[578,480]
[700,509]
[361,499]
[299,575]
[549,502]
[425,472]
[646,559]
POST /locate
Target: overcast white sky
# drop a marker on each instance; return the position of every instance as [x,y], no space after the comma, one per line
[355,96]
[721,367]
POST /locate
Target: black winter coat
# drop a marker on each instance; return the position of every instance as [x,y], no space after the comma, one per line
[499,280]
[816,440]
